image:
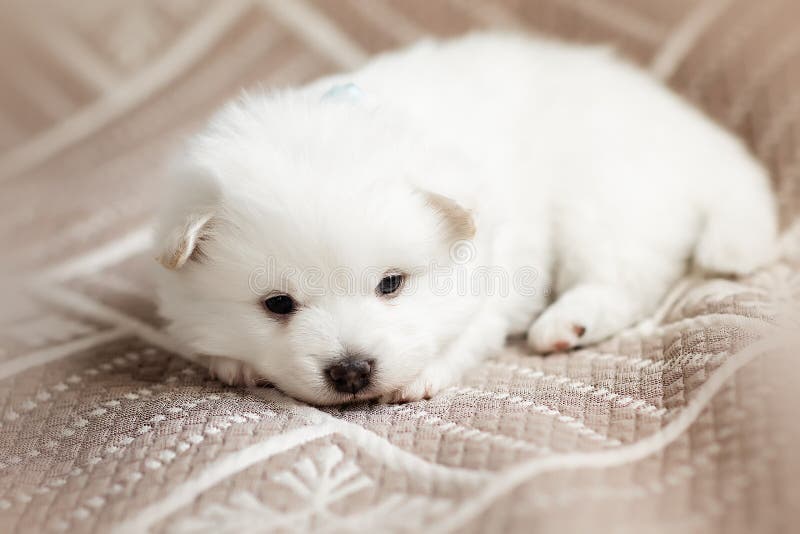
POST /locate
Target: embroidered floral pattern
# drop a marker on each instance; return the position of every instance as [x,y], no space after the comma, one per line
[318,483]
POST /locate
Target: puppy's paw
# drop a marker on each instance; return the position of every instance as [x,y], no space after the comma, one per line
[736,242]
[555,334]
[431,381]
[233,372]
[735,252]
[584,314]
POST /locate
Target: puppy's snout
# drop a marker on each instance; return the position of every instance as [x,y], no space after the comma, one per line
[350,376]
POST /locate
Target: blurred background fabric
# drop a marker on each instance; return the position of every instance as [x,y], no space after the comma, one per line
[102,425]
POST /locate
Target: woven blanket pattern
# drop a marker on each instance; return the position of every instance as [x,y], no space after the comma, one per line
[683,423]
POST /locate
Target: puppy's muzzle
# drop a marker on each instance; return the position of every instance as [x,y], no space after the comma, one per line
[350,376]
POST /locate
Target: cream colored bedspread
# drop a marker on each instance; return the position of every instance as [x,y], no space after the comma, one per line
[687,424]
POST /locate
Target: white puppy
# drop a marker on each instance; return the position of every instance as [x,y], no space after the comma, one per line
[373,234]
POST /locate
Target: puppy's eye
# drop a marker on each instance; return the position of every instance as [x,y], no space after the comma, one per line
[390,284]
[280,304]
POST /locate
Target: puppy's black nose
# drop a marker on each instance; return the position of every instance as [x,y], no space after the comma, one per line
[350,376]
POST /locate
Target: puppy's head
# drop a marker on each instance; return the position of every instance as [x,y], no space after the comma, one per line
[298,240]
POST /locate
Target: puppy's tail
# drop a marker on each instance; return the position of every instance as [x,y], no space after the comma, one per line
[740,227]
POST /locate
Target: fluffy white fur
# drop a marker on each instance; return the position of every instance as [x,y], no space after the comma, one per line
[590,186]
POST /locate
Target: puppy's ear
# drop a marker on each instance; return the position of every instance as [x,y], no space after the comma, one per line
[457,218]
[187,218]
[183,243]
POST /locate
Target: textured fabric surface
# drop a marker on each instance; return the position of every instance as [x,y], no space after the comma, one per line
[686,423]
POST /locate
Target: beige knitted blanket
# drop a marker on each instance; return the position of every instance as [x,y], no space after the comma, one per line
[684,424]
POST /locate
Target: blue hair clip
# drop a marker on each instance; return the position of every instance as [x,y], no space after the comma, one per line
[346,92]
